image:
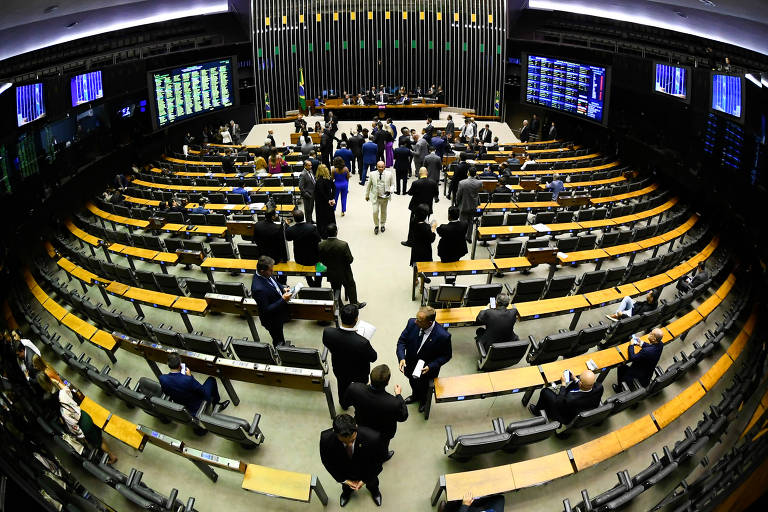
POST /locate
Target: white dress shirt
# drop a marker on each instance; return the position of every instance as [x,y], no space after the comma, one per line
[425,335]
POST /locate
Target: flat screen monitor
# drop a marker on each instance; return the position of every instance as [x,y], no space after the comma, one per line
[671,80]
[574,88]
[180,93]
[30,104]
[86,88]
[727,95]
[446,293]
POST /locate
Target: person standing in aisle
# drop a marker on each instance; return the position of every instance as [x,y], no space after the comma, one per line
[341,182]
[379,191]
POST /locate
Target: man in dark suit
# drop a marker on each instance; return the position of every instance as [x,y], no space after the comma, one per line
[450,128]
[271,298]
[642,362]
[370,153]
[452,245]
[377,409]
[345,154]
[305,239]
[535,128]
[422,191]
[688,283]
[499,323]
[580,395]
[265,150]
[492,503]
[355,144]
[423,340]
[429,130]
[525,132]
[402,162]
[326,147]
[353,455]
[184,389]
[337,257]
[460,172]
[307,188]
[270,237]
[552,131]
[351,353]
[485,135]
[228,161]
[467,198]
[434,164]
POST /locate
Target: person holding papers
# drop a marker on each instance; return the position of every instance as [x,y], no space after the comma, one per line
[574,396]
[643,361]
[351,353]
[423,348]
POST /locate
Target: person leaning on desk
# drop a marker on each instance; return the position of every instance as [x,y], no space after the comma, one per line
[271,299]
[642,362]
[580,394]
[492,503]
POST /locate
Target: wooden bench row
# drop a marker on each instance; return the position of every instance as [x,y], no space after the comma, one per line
[544,469]
[205,188]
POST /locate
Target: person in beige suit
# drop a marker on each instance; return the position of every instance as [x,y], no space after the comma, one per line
[381,185]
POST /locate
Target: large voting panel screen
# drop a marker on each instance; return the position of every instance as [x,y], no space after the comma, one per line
[727,95]
[671,80]
[180,93]
[30,104]
[571,87]
[86,88]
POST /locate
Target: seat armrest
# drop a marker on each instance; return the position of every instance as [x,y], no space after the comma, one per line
[205,407]
[450,442]
[254,424]
[324,354]
[171,499]
[134,478]
[128,382]
[190,505]
[226,345]
[534,344]
[106,369]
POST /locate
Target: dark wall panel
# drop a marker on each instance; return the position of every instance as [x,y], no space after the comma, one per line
[354,44]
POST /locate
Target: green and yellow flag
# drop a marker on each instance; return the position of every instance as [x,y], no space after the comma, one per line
[496,104]
[267,107]
[302,93]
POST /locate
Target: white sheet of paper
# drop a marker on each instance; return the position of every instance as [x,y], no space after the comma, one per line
[541,228]
[493,302]
[365,329]
[417,369]
[591,365]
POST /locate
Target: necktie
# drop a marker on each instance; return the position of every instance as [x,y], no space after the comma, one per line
[350,450]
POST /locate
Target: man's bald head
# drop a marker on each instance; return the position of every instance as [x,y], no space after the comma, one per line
[656,336]
[586,380]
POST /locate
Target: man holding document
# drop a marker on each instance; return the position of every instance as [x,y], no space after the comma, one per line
[574,396]
[351,350]
[423,348]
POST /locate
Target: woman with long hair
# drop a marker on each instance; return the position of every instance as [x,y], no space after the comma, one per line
[259,165]
[341,182]
[276,164]
[325,191]
[389,142]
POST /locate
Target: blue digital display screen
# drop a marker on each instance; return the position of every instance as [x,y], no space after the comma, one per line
[87,87]
[30,104]
[727,94]
[671,80]
[570,87]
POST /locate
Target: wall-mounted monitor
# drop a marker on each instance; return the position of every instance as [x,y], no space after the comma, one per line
[30,104]
[183,92]
[672,80]
[727,95]
[86,87]
[575,88]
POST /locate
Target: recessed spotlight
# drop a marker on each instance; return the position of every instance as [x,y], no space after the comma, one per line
[680,13]
[708,3]
[50,9]
[70,25]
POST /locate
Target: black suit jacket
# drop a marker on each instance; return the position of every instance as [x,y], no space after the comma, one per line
[435,352]
[227,164]
[271,239]
[499,325]
[355,144]
[366,461]
[351,354]
[485,135]
[453,244]
[402,160]
[273,310]
[643,361]
[377,409]
[335,254]
[571,402]
[423,191]
[305,241]
[460,172]
[525,134]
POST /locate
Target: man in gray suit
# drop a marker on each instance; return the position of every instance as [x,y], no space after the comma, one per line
[307,189]
[434,165]
[467,200]
[420,150]
[499,323]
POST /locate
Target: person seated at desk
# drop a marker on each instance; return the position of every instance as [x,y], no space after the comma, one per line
[382,96]
[452,245]
[556,186]
[629,307]
[492,145]
[347,100]
[178,206]
[276,164]
[641,363]
[582,394]
[501,187]
[200,208]
[688,283]
[240,189]
[184,389]
[487,174]
[319,102]
[271,298]
[493,503]
[499,322]
[403,100]
[300,124]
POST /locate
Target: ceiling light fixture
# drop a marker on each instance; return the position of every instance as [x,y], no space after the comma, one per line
[680,13]
[764,79]
[708,3]
[753,79]
[50,9]
[70,25]
[4,86]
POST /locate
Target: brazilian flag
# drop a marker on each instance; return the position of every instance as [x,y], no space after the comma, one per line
[496,104]
[267,107]
[302,93]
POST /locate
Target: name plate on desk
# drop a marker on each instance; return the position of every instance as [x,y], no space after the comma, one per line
[214,460]
[241,227]
[573,201]
[309,309]
[529,184]
[236,364]
[224,303]
[541,255]
[162,440]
